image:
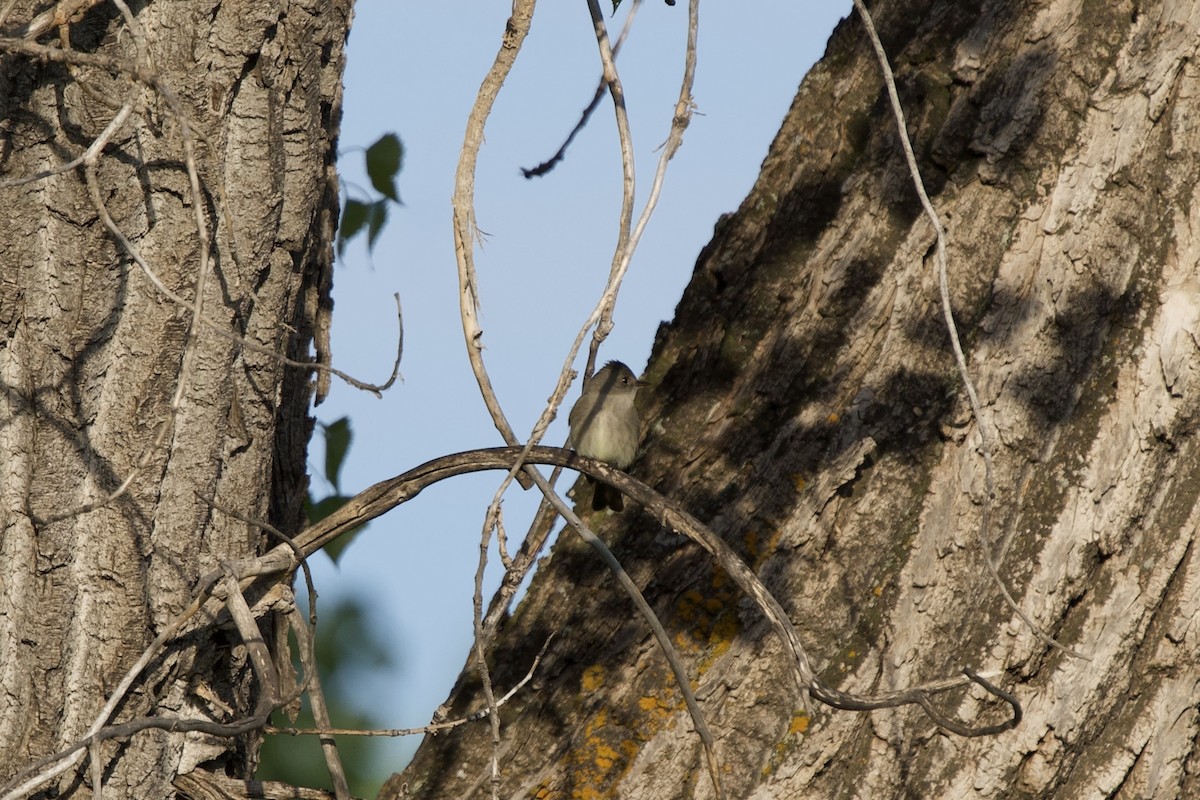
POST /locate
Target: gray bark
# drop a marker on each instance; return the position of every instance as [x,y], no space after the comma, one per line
[91,354]
[805,404]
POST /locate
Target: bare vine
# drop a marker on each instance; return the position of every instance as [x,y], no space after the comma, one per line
[601,318]
[960,360]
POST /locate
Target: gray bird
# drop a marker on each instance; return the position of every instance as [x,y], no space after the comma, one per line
[605,426]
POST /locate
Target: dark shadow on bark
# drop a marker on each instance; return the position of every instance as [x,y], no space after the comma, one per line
[1076,339]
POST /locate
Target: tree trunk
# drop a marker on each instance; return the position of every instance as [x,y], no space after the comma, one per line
[805,404]
[92,355]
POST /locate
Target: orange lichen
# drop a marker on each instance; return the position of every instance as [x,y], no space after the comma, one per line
[593,678]
[605,756]
[596,723]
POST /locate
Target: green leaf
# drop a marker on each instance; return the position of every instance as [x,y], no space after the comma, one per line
[375,221]
[384,159]
[354,218]
[319,510]
[337,444]
[338,436]
[334,549]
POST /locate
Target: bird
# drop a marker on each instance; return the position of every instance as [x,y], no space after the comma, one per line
[605,426]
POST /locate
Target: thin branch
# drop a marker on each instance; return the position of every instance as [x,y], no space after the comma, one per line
[959,358]
[316,699]
[660,634]
[623,252]
[481,665]
[90,154]
[539,531]
[465,231]
[432,728]
[256,646]
[546,166]
[63,12]
[463,204]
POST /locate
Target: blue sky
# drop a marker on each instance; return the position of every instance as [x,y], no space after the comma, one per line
[414,68]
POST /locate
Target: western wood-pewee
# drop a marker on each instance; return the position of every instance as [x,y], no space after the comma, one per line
[605,426]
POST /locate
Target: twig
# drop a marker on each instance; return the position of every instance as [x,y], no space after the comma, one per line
[481,665]
[433,727]
[660,633]
[256,647]
[63,12]
[90,154]
[518,568]
[463,204]
[316,700]
[623,252]
[960,359]
[549,164]
[465,231]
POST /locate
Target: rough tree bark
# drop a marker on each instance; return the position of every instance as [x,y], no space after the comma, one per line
[91,355]
[805,404]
